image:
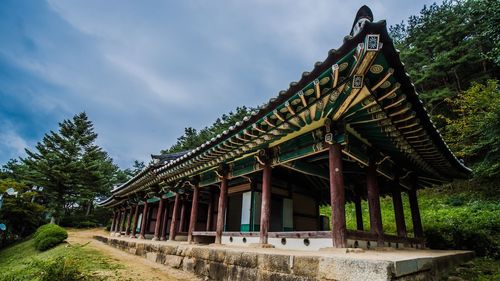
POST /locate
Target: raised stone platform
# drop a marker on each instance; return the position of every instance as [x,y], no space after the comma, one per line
[245,263]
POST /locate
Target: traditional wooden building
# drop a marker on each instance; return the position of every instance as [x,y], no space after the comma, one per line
[351,129]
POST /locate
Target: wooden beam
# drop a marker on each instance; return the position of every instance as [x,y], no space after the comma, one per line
[337,196]
[129,221]
[359,213]
[164,223]
[415,213]
[173,222]
[159,214]
[210,211]
[194,213]
[113,223]
[221,210]
[265,209]
[374,202]
[182,219]
[144,219]
[399,212]
[136,216]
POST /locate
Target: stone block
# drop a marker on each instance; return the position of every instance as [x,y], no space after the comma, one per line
[273,262]
[354,269]
[217,271]
[217,255]
[167,249]
[200,253]
[306,266]
[232,257]
[140,251]
[173,261]
[188,264]
[248,259]
[151,256]
[201,267]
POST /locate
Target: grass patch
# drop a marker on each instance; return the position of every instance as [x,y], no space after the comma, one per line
[481,269]
[64,262]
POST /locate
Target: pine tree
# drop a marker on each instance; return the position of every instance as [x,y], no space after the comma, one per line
[70,167]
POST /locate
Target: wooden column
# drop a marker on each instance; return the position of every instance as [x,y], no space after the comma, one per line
[221,210]
[120,222]
[118,217]
[136,217]
[194,213]
[415,213]
[113,222]
[164,224]
[173,222]
[359,212]
[144,219]
[210,211]
[374,202]
[183,215]
[158,219]
[337,196]
[129,221]
[265,206]
[397,202]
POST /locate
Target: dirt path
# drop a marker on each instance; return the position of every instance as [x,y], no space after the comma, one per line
[134,267]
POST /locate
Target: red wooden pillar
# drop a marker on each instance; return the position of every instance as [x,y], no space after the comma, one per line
[183,215]
[337,196]
[144,219]
[164,224]
[158,219]
[374,203]
[415,213]
[194,213]
[221,210]
[122,221]
[136,217]
[173,222]
[118,220]
[129,221]
[399,212]
[210,211]
[359,213]
[265,207]
[113,223]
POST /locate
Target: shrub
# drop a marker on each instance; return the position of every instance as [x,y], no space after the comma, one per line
[48,236]
[60,268]
[48,243]
[87,224]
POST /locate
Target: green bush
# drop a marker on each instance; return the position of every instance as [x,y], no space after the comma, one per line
[48,236]
[87,224]
[60,268]
[48,243]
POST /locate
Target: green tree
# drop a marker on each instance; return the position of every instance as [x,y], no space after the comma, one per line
[448,46]
[70,167]
[475,134]
[21,213]
[193,138]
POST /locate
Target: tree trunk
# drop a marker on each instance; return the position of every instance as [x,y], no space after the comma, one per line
[458,79]
[89,208]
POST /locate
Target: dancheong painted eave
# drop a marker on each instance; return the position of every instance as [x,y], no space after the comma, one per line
[361,87]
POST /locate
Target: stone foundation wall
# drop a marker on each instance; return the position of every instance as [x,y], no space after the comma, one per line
[222,263]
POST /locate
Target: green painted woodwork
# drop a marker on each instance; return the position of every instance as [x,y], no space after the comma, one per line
[245,228]
[153,200]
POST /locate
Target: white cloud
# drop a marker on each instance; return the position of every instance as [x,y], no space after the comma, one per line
[11,142]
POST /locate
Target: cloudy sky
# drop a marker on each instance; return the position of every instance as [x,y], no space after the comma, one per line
[144,70]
